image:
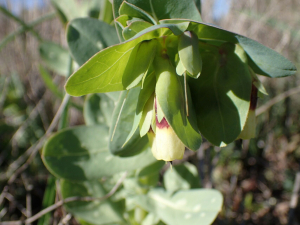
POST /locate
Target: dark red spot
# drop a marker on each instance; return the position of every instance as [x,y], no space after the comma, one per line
[253,98]
[163,123]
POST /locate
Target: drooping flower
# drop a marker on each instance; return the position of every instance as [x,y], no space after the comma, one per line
[165,144]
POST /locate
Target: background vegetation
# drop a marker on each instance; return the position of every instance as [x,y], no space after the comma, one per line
[257,177]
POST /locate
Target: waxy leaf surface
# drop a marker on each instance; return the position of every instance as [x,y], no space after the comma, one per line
[81,153]
[87,36]
[99,107]
[104,71]
[123,120]
[221,95]
[56,57]
[193,207]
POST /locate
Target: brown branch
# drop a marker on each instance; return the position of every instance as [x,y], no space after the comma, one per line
[76,198]
[277,99]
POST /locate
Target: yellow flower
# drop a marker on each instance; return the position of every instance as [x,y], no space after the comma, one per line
[165,144]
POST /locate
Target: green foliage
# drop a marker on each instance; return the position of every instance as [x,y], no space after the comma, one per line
[55,57]
[82,153]
[135,85]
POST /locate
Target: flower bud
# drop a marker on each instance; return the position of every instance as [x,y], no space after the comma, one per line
[165,144]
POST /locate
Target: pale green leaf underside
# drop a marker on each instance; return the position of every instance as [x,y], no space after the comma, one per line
[193,207]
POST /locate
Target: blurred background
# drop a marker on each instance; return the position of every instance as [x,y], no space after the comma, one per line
[257,177]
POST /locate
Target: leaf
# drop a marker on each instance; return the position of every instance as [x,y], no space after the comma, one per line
[55,57]
[266,61]
[87,36]
[181,177]
[147,116]
[103,72]
[134,11]
[122,123]
[170,96]
[189,55]
[71,9]
[165,9]
[150,175]
[98,109]
[193,207]
[135,27]
[262,59]
[139,63]
[221,94]
[81,153]
[95,212]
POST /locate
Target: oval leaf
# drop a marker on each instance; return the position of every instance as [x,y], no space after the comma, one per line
[221,94]
[189,55]
[81,153]
[139,63]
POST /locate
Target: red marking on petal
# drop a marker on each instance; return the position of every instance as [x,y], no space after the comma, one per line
[253,98]
[163,123]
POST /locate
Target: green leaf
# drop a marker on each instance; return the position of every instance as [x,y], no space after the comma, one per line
[147,116]
[189,55]
[170,97]
[134,11]
[94,212]
[122,20]
[266,61]
[122,122]
[150,175]
[140,60]
[262,59]
[221,94]
[55,57]
[165,9]
[81,153]
[134,28]
[181,177]
[87,36]
[98,109]
[193,207]
[104,71]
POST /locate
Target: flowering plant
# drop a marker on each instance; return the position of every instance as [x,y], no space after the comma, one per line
[192,78]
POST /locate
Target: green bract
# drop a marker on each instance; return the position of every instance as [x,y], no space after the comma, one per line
[200,75]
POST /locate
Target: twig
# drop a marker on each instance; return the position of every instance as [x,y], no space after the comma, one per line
[41,141]
[277,99]
[76,198]
[294,199]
